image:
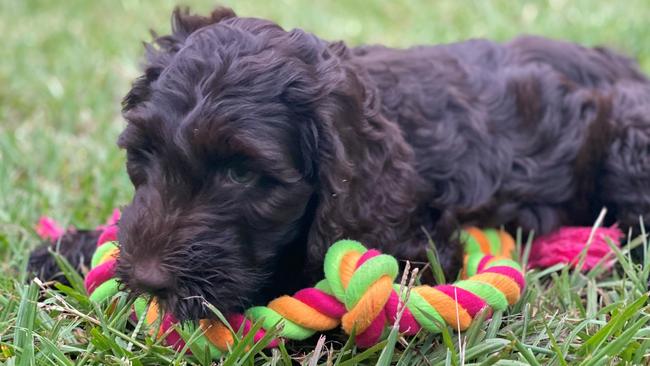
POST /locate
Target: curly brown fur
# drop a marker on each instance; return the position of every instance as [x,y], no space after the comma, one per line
[252,149]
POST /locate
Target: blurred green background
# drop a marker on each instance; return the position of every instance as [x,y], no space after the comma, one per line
[65,65]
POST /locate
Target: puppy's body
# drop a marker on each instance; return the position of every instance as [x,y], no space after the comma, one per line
[523,134]
[252,149]
[533,133]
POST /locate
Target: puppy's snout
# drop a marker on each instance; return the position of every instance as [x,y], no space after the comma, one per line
[151,278]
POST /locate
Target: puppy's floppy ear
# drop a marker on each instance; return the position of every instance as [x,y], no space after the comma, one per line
[367,183]
[160,51]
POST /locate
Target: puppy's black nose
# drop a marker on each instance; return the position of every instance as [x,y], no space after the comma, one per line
[151,278]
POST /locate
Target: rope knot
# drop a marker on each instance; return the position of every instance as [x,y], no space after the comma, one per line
[363,281]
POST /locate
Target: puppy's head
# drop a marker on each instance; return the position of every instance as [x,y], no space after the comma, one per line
[240,145]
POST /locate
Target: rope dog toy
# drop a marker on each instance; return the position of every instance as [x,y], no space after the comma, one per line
[358,292]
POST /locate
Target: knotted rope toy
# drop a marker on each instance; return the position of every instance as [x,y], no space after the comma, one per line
[358,292]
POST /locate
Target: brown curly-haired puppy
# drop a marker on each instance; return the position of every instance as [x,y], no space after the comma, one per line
[252,149]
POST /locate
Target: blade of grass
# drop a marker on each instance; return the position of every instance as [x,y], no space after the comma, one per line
[269,335]
[70,273]
[641,352]
[23,334]
[284,355]
[524,351]
[316,353]
[434,260]
[618,344]
[583,253]
[495,324]
[473,333]
[349,344]
[628,266]
[358,358]
[615,323]
[54,351]
[245,343]
[486,348]
[554,346]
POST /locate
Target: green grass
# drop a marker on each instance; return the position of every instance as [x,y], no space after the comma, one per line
[65,66]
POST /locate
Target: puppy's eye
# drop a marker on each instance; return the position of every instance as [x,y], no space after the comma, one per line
[241,175]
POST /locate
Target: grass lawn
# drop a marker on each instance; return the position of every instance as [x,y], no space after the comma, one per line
[65,66]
